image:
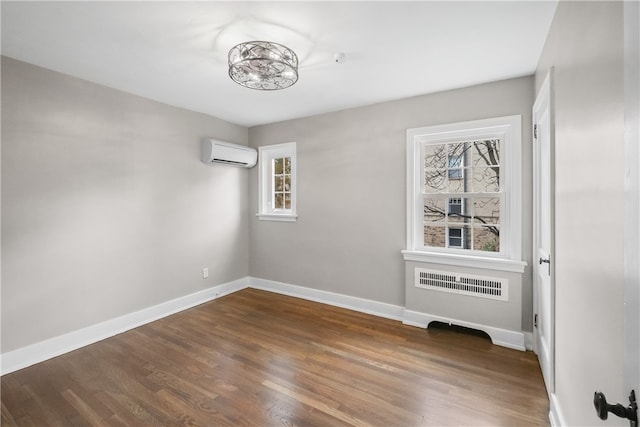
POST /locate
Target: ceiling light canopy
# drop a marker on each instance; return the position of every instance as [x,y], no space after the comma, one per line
[263,65]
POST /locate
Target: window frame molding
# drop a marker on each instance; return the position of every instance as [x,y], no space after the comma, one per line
[509,130]
[266,154]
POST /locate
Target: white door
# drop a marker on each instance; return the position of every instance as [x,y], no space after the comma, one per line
[543,265]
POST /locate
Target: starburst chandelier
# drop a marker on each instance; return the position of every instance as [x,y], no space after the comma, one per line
[263,65]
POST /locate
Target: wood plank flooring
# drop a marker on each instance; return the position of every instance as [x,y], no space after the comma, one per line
[256,358]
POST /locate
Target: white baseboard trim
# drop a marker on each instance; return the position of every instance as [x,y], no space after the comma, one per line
[380,309]
[56,346]
[529,341]
[502,337]
[556,419]
[41,351]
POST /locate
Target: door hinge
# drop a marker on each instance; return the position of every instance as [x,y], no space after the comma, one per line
[535,320]
[535,131]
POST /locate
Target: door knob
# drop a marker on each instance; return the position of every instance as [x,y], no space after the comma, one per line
[603,408]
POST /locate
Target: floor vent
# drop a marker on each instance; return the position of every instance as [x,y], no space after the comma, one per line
[466,284]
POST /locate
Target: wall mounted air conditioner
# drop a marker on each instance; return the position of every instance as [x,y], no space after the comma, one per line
[214,151]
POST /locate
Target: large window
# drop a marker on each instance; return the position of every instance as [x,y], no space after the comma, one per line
[464,199]
[277,182]
[463,184]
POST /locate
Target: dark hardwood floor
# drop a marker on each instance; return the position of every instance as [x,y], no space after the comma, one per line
[261,359]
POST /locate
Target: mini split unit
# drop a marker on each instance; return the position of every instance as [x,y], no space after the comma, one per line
[214,151]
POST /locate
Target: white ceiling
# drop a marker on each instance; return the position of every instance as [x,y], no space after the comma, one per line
[176,52]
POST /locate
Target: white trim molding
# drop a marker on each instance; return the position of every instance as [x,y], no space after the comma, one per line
[380,309]
[556,419]
[56,346]
[459,260]
[501,337]
[529,341]
[277,217]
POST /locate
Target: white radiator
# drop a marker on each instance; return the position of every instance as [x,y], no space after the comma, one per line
[466,284]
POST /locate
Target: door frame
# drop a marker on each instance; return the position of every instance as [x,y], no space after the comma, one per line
[632,197]
[545,96]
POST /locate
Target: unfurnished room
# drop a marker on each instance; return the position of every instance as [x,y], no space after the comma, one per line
[320,213]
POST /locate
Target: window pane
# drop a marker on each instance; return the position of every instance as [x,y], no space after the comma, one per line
[486,179]
[456,153]
[277,166]
[287,201]
[457,150]
[459,237]
[486,239]
[435,181]
[459,185]
[287,165]
[455,237]
[455,165]
[486,153]
[486,210]
[435,156]
[456,173]
[434,236]
[287,183]
[278,202]
[279,183]
[434,210]
[456,208]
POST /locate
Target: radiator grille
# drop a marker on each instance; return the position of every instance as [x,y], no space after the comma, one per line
[466,284]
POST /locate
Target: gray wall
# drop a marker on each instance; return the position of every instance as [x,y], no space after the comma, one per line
[585,47]
[106,208]
[351,191]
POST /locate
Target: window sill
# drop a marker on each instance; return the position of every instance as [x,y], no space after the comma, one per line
[486,263]
[277,217]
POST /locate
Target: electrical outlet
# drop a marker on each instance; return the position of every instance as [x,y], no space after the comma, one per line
[205,273]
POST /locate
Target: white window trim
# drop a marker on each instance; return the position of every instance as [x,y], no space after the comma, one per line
[508,129]
[266,154]
[499,264]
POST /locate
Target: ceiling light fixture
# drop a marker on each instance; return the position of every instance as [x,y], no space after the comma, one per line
[263,65]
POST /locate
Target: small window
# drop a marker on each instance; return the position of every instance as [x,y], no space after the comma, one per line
[281,195]
[456,239]
[455,206]
[276,175]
